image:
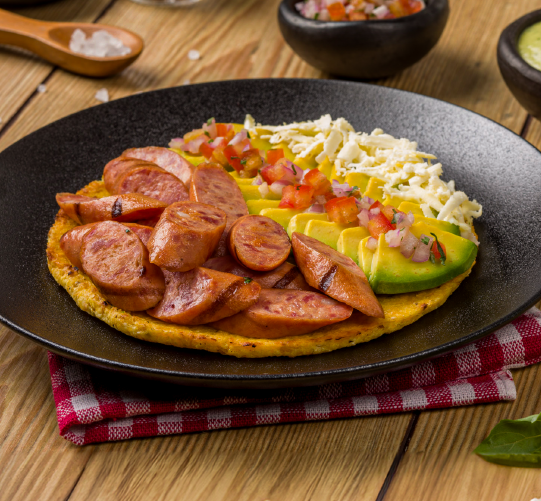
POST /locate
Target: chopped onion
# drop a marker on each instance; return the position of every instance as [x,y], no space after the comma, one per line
[372,244]
[393,238]
[278,186]
[177,143]
[320,199]
[258,180]
[219,142]
[422,252]
[316,208]
[194,145]
[403,220]
[364,203]
[239,137]
[375,211]
[409,243]
[364,217]
[263,189]
[341,190]
[381,11]
[211,128]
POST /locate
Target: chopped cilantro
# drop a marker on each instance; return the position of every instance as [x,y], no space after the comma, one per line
[298,187]
[248,135]
[293,167]
[316,16]
[209,121]
[234,158]
[211,141]
[425,240]
[440,250]
[243,161]
[432,258]
[127,231]
[207,134]
[247,280]
[393,220]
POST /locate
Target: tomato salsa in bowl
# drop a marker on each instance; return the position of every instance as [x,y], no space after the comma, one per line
[364,49]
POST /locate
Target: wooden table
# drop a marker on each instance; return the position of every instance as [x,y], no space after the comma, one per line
[410,456]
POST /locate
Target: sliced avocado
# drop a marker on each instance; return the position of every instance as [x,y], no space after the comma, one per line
[392,273]
[298,223]
[256,206]
[358,179]
[193,159]
[348,241]
[243,181]
[281,216]
[442,225]
[374,190]
[411,207]
[365,257]
[325,231]
[326,168]
[251,192]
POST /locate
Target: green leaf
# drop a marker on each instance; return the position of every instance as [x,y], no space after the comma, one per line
[209,121]
[247,280]
[514,443]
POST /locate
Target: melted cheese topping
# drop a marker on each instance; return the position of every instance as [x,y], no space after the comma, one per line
[407,173]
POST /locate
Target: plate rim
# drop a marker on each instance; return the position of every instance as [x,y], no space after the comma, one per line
[274,380]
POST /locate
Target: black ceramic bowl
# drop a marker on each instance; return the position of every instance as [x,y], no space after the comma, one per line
[363,49]
[523,80]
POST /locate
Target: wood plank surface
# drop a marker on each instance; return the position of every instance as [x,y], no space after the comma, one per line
[343,459]
[439,463]
[20,71]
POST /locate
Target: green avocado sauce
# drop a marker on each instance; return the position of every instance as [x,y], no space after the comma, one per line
[529,45]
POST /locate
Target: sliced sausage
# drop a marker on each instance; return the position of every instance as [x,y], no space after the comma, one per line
[186,235]
[153,182]
[117,167]
[212,185]
[71,241]
[286,276]
[280,313]
[334,274]
[117,262]
[127,207]
[200,296]
[168,160]
[258,242]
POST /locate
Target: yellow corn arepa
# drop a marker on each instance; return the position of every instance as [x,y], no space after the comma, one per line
[400,310]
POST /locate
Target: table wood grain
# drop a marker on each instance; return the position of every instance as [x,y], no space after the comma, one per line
[416,455]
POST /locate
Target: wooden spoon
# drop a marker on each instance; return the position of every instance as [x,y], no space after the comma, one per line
[51,40]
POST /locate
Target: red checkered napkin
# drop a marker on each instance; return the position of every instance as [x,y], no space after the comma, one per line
[93,405]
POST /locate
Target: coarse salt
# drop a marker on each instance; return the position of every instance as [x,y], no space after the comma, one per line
[194,55]
[186,82]
[100,44]
[102,95]
[41,88]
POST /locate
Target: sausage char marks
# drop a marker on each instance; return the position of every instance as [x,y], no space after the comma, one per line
[400,310]
[186,235]
[335,274]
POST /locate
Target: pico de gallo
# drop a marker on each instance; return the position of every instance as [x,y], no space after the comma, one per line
[358,10]
[309,189]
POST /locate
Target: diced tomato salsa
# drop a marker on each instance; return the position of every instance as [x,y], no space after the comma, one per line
[297,196]
[342,210]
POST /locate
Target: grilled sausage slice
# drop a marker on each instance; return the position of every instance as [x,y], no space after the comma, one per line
[128,207]
[153,182]
[258,242]
[212,185]
[117,167]
[200,296]
[117,262]
[286,276]
[280,313]
[166,159]
[334,274]
[71,241]
[186,235]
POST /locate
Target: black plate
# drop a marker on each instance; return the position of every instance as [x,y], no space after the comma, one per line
[492,164]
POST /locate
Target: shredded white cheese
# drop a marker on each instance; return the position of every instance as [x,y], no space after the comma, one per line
[407,173]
